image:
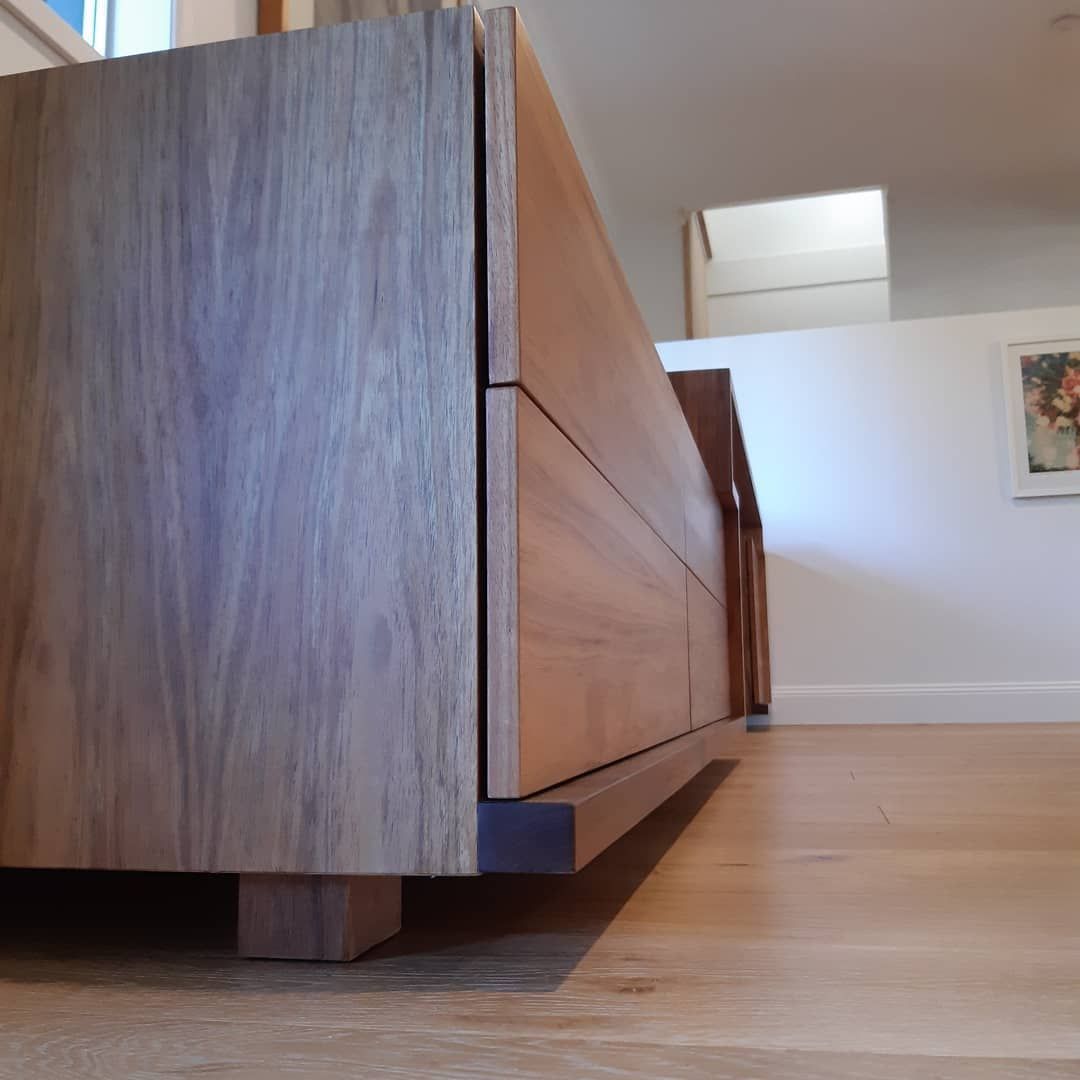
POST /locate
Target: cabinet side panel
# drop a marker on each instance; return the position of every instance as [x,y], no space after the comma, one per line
[707,402]
[238,442]
[759,619]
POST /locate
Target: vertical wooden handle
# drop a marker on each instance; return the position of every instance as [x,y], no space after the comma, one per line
[272,16]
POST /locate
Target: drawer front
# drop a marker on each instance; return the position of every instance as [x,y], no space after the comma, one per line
[562,320]
[587,617]
[710,683]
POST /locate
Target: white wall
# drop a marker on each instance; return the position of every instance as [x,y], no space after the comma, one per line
[33,36]
[21,50]
[651,255]
[40,38]
[839,304]
[793,270]
[300,14]
[202,21]
[986,248]
[905,583]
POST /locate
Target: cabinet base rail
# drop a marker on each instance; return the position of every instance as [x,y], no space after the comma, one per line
[563,829]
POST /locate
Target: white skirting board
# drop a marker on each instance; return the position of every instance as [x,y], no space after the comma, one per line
[934,703]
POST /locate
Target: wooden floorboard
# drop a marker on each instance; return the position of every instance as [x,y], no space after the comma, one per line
[864,903]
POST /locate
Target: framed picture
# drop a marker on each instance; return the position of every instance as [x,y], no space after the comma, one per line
[1042,401]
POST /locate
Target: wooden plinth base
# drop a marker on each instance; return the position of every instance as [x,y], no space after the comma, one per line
[300,917]
[565,828]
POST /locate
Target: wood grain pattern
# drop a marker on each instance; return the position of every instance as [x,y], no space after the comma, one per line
[769,925]
[755,621]
[570,332]
[563,829]
[708,404]
[238,455]
[737,609]
[710,676]
[705,540]
[501,197]
[314,1051]
[297,917]
[705,398]
[600,647]
[757,602]
[704,440]
[503,566]
[331,12]
[742,477]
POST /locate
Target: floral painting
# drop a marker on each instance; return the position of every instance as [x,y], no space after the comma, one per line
[1043,388]
[1052,409]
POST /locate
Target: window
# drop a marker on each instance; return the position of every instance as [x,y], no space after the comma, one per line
[120,27]
[139,26]
[89,17]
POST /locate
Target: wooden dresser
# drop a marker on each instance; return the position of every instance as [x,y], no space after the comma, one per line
[350,527]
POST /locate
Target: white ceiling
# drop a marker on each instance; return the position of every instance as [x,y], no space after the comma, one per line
[967,111]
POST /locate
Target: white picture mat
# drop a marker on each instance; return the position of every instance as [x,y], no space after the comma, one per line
[1027,484]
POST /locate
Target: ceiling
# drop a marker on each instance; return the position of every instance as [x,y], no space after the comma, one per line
[967,111]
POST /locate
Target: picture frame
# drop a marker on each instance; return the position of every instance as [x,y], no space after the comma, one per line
[1042,406]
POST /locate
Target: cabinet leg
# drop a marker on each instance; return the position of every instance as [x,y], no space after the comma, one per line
[308,917]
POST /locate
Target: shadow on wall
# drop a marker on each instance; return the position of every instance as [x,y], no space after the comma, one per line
[889,632]
[899,563]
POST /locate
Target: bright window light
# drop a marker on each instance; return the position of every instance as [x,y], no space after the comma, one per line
[120,27]
[89,17]
[71,11]
[791,264]
[140,26]
[849,219]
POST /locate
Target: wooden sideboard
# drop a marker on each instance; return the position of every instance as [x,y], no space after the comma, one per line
[350,527]
[708,402]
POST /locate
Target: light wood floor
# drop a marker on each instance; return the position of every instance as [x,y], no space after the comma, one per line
[863,903]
